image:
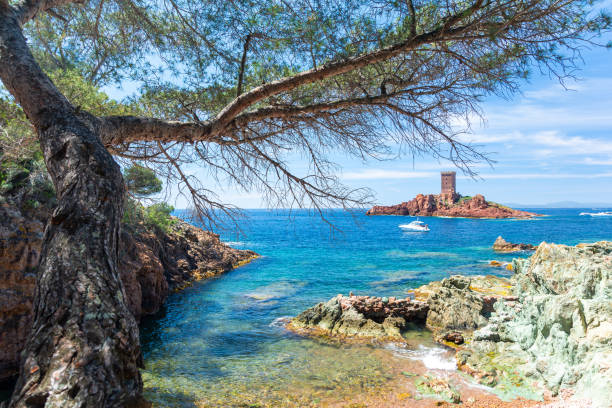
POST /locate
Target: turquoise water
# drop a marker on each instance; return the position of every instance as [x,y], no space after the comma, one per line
[220,342]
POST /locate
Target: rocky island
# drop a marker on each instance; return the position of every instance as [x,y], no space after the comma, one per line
[450,204]
[546,330]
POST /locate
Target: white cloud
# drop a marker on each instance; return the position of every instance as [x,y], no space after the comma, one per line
[598,162]
[539,176]
[584,107]
[546,142]
[376,174]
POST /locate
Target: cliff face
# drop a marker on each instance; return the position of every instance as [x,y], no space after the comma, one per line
[438,206]
[152,264]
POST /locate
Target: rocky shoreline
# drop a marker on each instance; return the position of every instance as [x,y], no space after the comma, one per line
[545,332]
[456,206]
[153,263]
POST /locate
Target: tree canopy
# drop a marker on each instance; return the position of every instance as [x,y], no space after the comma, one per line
[237,88]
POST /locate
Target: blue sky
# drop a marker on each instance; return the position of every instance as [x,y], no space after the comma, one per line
[549,144]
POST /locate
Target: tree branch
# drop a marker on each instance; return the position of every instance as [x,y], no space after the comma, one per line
[27,9]
[337,68]
[242,64]
[118,130]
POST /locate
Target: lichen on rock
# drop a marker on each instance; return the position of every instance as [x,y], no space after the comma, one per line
[558,332]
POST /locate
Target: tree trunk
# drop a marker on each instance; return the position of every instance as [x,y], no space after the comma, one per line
[83,350]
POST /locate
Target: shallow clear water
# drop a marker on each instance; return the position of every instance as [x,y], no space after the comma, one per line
[219,342]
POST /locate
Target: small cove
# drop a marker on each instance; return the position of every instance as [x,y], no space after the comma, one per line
[218,343]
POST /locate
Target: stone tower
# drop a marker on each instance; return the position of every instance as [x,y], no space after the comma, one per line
[448,191]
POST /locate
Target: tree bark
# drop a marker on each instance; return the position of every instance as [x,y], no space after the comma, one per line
[83,350]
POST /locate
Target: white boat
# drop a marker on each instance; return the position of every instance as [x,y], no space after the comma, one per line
[599,214]
[415,226]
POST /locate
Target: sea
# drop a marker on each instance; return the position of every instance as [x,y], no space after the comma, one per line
[222,342]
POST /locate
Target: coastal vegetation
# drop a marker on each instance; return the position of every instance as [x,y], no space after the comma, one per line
[235,88]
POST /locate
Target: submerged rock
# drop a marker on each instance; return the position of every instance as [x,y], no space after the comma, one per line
[361,317]
[501,245]
[558,332]
[430,386]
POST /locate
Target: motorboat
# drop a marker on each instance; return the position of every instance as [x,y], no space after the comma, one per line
[599,214]
[415,226]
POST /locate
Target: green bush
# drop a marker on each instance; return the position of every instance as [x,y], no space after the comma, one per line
[158,215]
[463,199]
[154,216]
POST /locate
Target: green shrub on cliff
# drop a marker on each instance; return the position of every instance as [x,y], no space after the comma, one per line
[156,216]
[142,182]
[463,199]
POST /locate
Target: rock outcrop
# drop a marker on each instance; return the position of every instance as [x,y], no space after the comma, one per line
[438,206]
[456,303]
[558,332]
[455,306]
[501,245]
[152,264]
[360,317]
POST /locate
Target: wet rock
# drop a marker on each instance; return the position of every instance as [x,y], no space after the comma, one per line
[454,337]
[361,317]
[501,245]
[443,206]
[558,330]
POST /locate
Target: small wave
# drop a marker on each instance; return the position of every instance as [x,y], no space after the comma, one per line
[396,253]
[280,322]
[432,358]
[598,214]
[235,243]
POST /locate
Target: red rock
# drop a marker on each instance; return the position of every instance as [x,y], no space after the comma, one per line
[438,206]
[151,265]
